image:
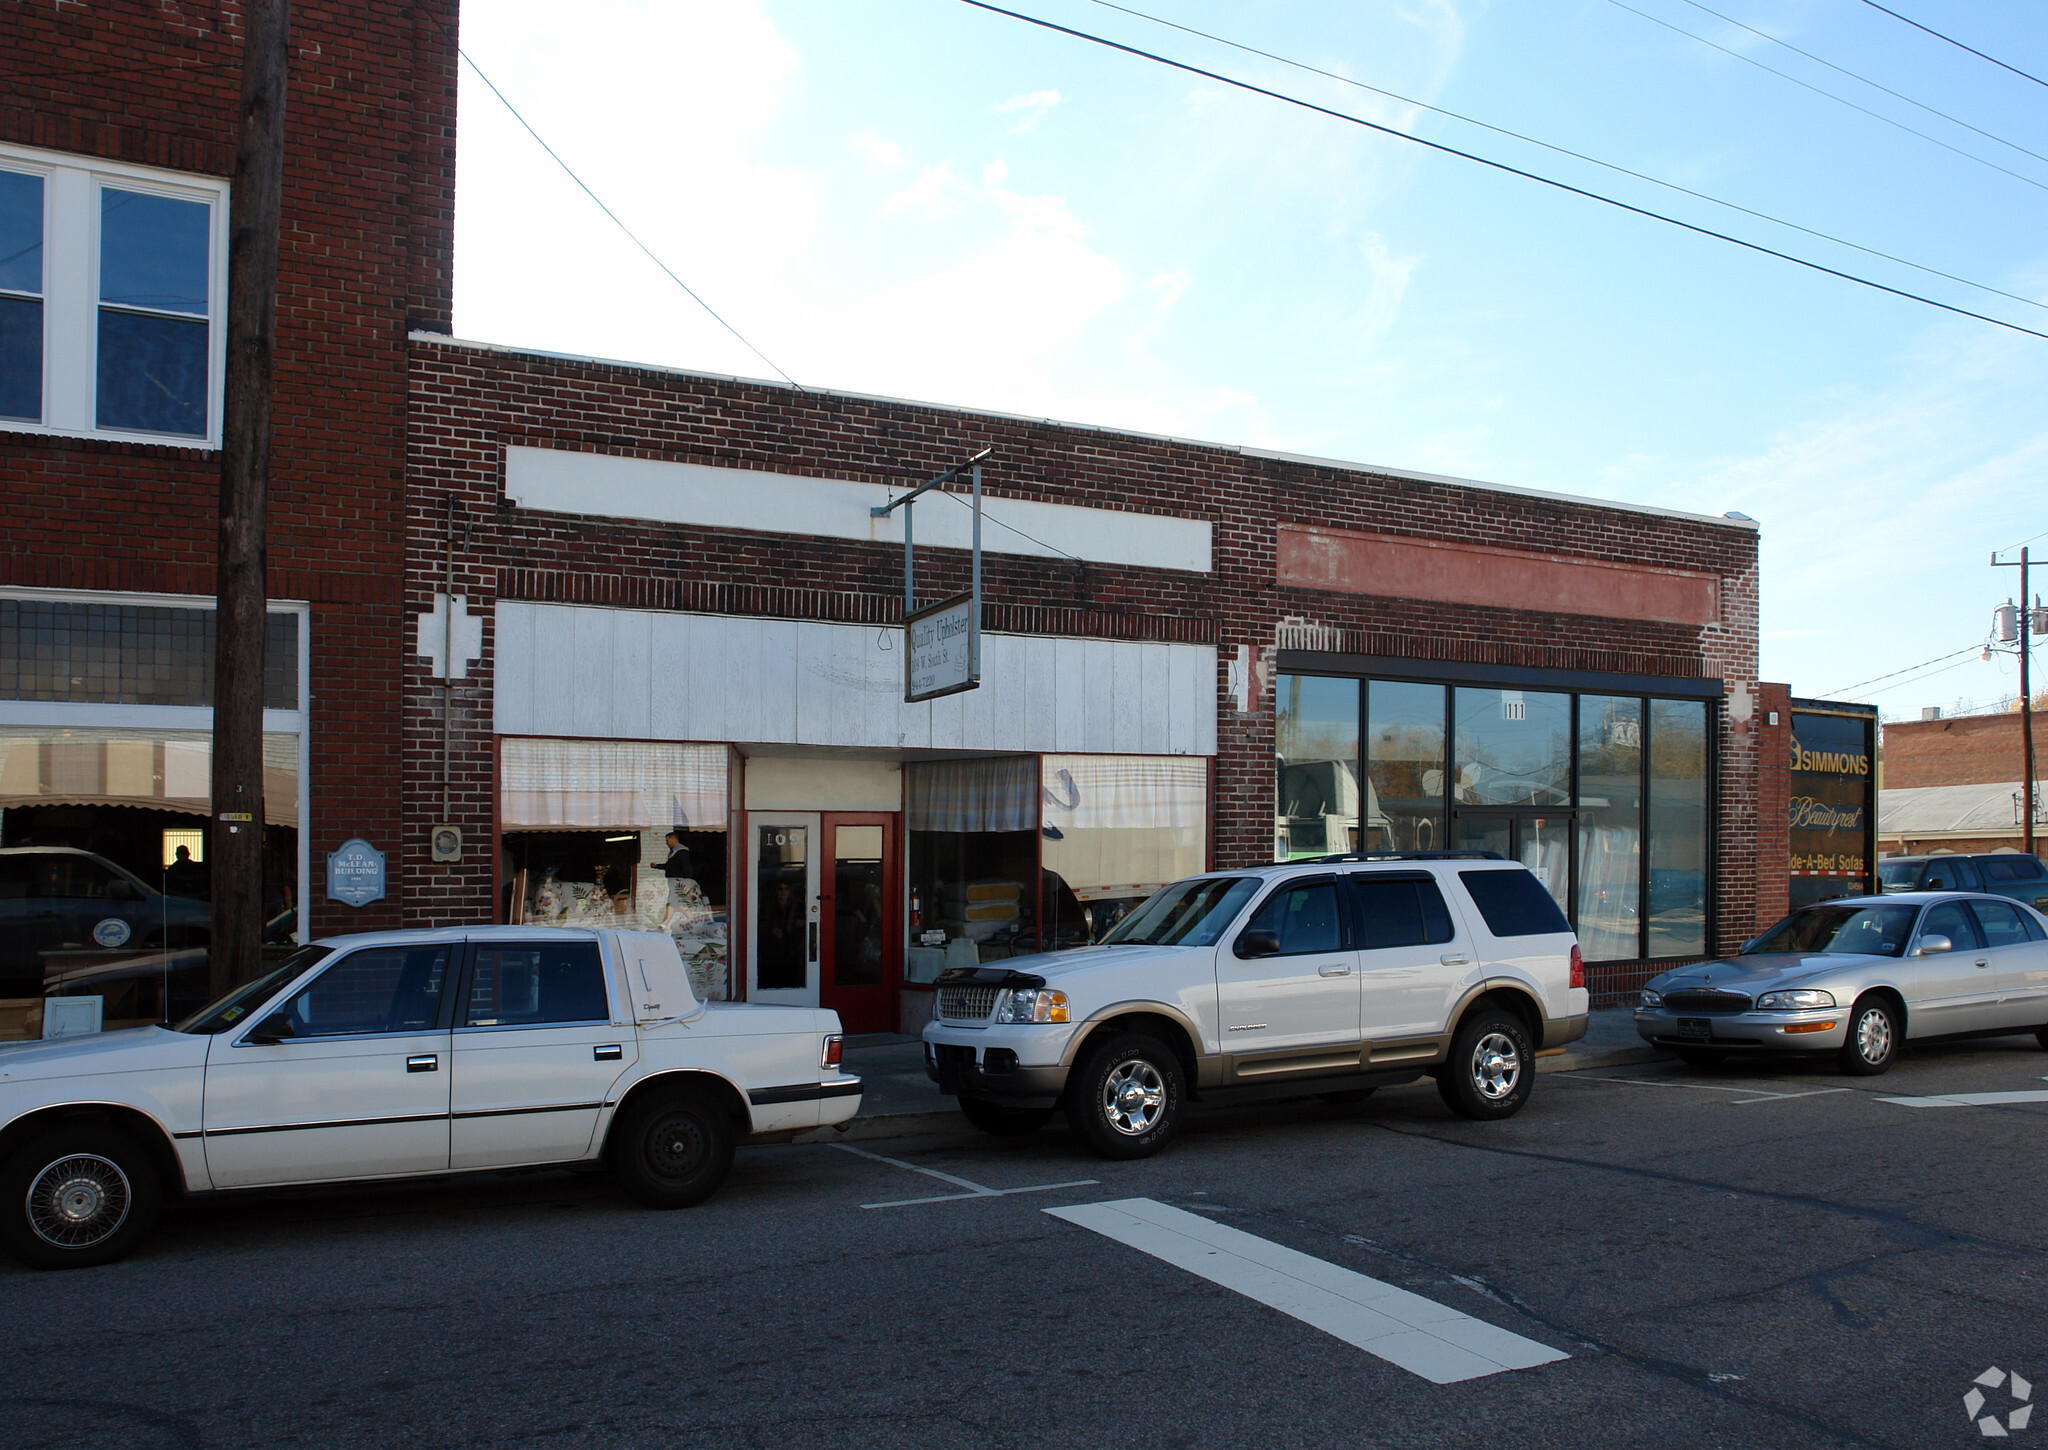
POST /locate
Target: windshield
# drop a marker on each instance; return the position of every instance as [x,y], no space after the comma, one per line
[1876,930]
[1897,875]
[234,1009]
[1186,914]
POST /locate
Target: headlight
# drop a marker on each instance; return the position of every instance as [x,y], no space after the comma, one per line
[1799,1001]
[1651,999]
[1035,1004]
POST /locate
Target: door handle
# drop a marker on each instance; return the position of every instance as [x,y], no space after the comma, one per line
[610,1052]
[1455,959]
[1982,963]
[424,1062]
[1337,971]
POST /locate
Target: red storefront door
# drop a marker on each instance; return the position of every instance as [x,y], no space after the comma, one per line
[861,953]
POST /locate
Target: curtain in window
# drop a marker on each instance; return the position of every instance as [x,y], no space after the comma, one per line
[1128,792]
[160,770]
[587,785]
[972,795]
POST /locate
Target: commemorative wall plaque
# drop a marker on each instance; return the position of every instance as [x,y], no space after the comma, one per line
[355,873]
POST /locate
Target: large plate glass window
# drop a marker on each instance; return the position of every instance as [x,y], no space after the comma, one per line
[1678,828]
[1514,748]
[1404,795]
[621,833]
[973,829]
[1610,827]
[21,296]
[1115,829]
[1315,736]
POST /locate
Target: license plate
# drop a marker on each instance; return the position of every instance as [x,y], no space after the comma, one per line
[1696,1027]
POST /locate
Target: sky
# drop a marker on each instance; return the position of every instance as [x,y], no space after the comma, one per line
[921,199]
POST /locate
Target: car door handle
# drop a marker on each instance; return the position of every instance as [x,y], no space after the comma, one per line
[1334,971]
[1455,959]
[610,1052]
[1983,963]
[423,1062]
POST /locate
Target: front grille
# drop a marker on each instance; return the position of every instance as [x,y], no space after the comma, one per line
[1706,1004]
[967,1004]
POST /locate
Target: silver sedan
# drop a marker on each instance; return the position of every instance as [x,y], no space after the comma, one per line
[1858,978]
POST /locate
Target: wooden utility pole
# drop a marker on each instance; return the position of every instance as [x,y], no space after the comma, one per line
[236,849]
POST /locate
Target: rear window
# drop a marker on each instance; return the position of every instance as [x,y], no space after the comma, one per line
[1514,903]
[2013,868]
[1399,911]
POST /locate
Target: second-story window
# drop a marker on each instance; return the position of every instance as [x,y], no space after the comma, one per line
[21,295]
[154,298]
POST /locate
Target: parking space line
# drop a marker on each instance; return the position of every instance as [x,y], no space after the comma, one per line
[1758,1095]
[1969,1100]
[974,1190]
[1425,1338]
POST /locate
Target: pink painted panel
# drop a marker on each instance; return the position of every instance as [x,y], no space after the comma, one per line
[1397,567]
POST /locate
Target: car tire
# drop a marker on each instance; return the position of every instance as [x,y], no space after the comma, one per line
[1124,1097]
[1491,1068]
[1872,1043]
[78,1196]
[673,1149]
[2041,1036]
[1700,1057]
[1004,1122]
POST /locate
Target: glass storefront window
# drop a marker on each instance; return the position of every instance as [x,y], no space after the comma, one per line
[973,828]
[1404,805]
[1610,827]
[1678,828]
[1514,748]
[1315,736]
[104,886]
[620,833]
[130,654]
[1116,828]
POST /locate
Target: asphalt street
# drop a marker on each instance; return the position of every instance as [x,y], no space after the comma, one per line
[1730,1257]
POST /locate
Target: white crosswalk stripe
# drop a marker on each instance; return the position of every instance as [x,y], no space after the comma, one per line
[1429,1339]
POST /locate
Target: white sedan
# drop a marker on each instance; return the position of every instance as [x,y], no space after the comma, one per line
[403,1054]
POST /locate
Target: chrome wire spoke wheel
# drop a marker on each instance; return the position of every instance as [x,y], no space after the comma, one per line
[1496,1066]
[79,1201]
[1874,1035]
[1133,1097]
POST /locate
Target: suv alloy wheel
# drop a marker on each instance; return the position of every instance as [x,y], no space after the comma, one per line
[1124,1097]
[1491,1067]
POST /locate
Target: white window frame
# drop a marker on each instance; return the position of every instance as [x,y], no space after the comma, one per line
[71,288]
[296,721]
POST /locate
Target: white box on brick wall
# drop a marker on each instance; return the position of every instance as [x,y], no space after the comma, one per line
[657,675]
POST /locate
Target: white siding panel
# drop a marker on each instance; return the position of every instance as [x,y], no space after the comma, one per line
[1184,689]
[1155,701]
[632,674]
[1204,698]
[881,674]
[1098,689]
[1002,680]
[821,714]
[946,733]
[512,674]
[554,676]
[1070,695]
[768,711]
[1041,706]
[713,713]
[669,693]
[591,667]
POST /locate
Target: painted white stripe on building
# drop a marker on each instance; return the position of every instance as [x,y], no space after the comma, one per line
[561,481]
[566,669]
[1417,1334]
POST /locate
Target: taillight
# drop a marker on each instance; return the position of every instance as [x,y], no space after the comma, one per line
[835,1042]
[1578,966]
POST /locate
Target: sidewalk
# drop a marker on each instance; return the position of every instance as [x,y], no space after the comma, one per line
[898,1100]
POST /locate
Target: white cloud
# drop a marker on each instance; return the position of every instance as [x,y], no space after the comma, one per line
[1031,107]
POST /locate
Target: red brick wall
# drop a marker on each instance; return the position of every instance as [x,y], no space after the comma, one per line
[367,244]
[1969,750]
[471,403]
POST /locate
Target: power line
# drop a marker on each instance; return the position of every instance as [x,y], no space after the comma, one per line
[1567,151]
[1958,44]
[1852,75]
[1050,548]
[1838,100]
[570,172]
[1502,166]
[1952,654]
[2023,543]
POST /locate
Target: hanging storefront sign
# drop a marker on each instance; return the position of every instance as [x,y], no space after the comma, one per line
[940,649]
[355,873]
[1833,821]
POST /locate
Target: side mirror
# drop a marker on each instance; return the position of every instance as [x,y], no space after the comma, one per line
[1934,946]
[1258,944]
[271,1030]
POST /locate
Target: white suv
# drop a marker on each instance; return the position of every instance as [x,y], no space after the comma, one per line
[1332,976]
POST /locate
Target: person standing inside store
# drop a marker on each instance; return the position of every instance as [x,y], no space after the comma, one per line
[677,866]
[782,938]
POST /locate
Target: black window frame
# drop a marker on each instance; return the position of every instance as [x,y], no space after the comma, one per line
[460,1008]
[1296,883]
[1356,883]
[444,1009]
